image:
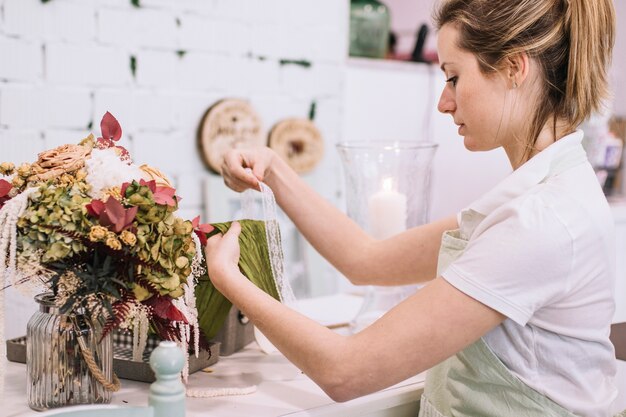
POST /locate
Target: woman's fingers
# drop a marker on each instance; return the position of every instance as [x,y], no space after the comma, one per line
[233,232]
[235,174]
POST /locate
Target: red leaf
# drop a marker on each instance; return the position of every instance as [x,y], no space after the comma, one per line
[5,187]
[116,215]
[165,196]
[201,237]
[124,154]
[110,127]
[201,229]
[102,143]
[195,222]
[150,184]
[95,207]
[123,189]
[163,307]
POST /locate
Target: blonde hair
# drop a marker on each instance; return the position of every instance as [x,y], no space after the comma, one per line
[571,40]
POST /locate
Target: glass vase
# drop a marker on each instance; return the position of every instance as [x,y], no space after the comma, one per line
[57,373]
[387,192]
[369,28]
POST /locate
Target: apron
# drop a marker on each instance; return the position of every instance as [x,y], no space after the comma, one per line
[474,382]
[465,384]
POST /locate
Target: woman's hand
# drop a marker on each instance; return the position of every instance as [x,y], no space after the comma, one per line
[222,257]
[259,160]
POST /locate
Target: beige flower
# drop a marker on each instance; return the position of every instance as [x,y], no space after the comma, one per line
[114,192]
[97,233]
[80,175]
[67,179]
[24,170]
[17,182]
[58,161]
[6,168]
[128,238]
[113,243]
[151,173]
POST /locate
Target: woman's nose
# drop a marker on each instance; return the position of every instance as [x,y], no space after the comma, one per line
[446,101]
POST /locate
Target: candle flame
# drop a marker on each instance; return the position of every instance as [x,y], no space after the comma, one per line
[388,184]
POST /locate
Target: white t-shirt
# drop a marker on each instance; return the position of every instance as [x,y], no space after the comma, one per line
[541,251]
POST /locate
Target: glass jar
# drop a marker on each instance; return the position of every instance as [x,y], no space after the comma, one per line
[369,28]
[387,192]
[57,373]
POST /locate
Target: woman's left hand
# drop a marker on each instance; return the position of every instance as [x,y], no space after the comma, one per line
[222,257]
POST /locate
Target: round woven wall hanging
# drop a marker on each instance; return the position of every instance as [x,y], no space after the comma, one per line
[298,142]
[228,124]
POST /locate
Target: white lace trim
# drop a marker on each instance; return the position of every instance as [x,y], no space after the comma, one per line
[272,235]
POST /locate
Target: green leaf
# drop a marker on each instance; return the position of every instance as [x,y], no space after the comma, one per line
[300,62]
[133,64]
[135,3]
[312,110]
[254,263]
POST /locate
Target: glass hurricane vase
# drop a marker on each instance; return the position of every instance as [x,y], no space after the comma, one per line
[58,374]
[387,192]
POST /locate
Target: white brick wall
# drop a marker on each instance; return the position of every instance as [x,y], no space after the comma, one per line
[64,63]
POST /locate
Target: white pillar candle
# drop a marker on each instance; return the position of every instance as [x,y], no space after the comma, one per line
[387,211]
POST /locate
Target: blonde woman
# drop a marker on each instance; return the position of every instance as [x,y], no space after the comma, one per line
[514,319]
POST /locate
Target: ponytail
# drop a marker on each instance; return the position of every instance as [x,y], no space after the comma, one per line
[591,26]
[571,41]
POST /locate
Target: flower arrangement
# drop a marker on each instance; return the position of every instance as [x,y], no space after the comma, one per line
[102,234]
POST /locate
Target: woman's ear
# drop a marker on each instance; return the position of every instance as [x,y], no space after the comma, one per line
[516,69]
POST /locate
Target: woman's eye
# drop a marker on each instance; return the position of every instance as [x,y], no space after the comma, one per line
[453,80]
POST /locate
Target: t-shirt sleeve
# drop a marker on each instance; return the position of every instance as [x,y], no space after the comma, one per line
[517,260]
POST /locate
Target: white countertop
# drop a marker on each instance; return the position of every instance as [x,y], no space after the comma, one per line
[282,389]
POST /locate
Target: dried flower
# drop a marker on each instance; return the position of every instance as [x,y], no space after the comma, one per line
[18,182]
[113,243]
[80,175]
[67,179]
[6,168]
[112,192]
[141,293]
[24,170]
[151,173]
[67,286]
[128,238]
[97,233]
[57,161]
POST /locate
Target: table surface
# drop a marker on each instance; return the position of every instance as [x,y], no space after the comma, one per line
[282,389]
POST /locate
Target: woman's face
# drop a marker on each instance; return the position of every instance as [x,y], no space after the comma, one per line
[479,104]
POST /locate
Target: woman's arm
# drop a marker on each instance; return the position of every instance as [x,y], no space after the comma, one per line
[423,330]
[402,259]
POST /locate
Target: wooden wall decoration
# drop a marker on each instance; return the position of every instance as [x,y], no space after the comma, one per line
[299,142]
[228,124]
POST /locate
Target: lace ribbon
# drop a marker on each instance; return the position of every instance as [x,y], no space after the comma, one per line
[275,250]
[272,235]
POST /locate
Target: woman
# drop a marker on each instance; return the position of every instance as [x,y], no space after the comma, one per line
[515,317]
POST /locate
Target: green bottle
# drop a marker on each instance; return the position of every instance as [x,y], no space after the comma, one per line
[369,28]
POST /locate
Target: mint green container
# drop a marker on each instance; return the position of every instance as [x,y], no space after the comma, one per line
[369,28]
